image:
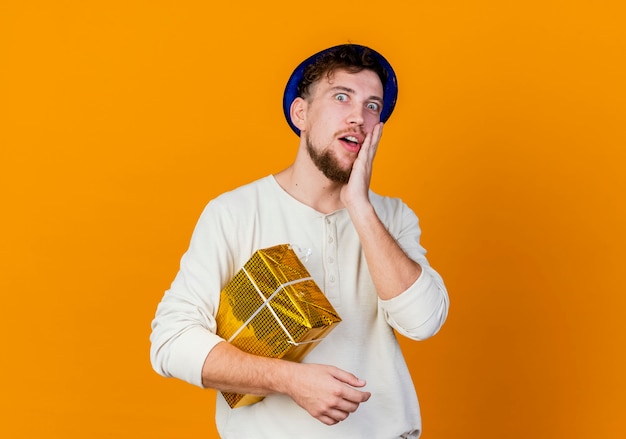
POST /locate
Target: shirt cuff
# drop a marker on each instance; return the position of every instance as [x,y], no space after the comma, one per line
[418,312]
[188,354]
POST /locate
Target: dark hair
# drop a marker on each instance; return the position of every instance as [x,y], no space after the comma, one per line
[350,57]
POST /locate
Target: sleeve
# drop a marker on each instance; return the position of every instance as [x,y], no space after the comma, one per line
[184,327]
[421,310]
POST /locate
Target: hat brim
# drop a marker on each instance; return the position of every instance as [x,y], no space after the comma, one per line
[390,87]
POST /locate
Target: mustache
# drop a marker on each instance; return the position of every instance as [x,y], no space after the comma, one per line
[349,132]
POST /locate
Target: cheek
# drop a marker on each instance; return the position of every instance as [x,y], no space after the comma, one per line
[371,121]
[323,124]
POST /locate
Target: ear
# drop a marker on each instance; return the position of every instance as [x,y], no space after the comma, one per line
[297,111]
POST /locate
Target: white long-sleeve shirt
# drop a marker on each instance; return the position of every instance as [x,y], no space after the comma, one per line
[260,215]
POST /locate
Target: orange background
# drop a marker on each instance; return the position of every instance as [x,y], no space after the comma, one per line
[121,119]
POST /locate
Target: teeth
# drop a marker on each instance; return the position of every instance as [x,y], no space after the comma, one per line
[352,139]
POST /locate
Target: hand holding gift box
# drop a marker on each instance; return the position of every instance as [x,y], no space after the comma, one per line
[272,307]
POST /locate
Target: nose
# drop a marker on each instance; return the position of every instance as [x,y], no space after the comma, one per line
[356,117]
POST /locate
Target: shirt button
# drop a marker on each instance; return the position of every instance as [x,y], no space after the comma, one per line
[332,278]
[330,260]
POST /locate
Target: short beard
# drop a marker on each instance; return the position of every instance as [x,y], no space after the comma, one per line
[327,163]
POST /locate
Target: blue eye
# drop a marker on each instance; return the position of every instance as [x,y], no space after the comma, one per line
[341,97]
[373,106]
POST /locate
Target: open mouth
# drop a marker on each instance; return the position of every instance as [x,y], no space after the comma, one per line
[351,139]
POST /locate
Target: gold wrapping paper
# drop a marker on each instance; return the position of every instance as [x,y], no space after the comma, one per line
[273,308]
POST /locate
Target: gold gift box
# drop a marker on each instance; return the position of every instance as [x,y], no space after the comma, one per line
[273,308]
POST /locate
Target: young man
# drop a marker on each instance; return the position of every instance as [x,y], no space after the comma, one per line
[365,257]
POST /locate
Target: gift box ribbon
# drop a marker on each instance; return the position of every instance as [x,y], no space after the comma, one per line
[266,302]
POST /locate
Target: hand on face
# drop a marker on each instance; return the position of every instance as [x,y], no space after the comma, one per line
[355,193]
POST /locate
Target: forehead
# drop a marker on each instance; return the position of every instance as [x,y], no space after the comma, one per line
[363,82]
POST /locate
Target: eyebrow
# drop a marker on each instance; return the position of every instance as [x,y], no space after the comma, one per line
[349,90]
